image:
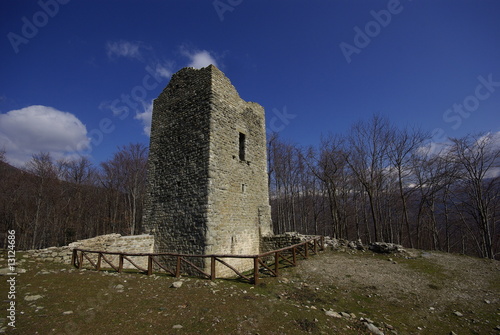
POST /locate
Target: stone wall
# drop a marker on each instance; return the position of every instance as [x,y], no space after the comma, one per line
[175,206]
[283,240]
[110,243]
[238,205]
[207,191]
[52,254]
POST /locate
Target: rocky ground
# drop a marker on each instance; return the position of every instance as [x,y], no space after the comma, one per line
[336,292]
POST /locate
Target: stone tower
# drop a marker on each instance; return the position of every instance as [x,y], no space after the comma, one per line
[208,188]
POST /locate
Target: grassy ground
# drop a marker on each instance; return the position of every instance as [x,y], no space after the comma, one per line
[404,295]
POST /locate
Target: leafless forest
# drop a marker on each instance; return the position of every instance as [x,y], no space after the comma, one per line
[53,203]
[375,183]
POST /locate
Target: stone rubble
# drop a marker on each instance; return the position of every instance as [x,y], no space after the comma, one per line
[333,314]
[33,297]
[369,324]
[373,329]
[176,284]
[385,248]
[290,238]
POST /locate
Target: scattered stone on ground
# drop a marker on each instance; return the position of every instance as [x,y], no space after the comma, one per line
[385,248]
[373,329]
[176,284]
[333,314]
[33,297]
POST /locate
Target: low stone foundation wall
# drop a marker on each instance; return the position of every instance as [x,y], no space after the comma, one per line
[110,243]
[275,242]
[287,239]
[52,254]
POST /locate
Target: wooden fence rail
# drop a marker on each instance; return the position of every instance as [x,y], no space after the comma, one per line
[266,263]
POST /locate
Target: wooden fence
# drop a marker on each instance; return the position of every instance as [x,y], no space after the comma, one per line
[267,263]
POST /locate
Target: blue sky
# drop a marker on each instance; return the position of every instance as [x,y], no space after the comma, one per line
[316,66]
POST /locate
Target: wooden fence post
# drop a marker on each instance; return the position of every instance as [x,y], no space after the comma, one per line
[120,263]
[80,262]
[276,263]
[150,265]
[256,270]
[73,257]
[212,268]
[178,267]
[98,261]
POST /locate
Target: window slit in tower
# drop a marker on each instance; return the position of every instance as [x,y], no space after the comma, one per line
[242,147]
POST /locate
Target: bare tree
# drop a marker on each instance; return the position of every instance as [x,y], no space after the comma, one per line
[125,173]
[330,168]
[479,158]
[78,171]
[79,195]
[401,147]
[2,154]
[315,191]
[43,168]
[434,175]
[367,159]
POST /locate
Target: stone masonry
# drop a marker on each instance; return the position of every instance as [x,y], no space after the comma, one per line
[207,191]
[141,244]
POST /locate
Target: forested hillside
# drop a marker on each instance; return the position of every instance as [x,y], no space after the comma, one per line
[52,203]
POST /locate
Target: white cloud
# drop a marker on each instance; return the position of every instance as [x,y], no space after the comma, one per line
[490,139]
[490,142]
[32,129]
[199,59]
[163,70]
[123,49]
[434,149]
[145,117]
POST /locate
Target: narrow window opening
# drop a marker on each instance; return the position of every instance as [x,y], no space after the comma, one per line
[243,188]
[242,147]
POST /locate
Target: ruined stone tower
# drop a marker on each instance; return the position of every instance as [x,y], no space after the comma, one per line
[208,190]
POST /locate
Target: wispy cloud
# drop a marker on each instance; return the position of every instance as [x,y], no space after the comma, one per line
[488,143]
[32,129]
[145,117]
[163,70]
[122,48]
[198,59]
